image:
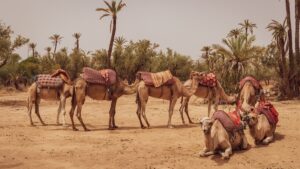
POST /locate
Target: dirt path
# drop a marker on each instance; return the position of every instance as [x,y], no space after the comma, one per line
[22,146]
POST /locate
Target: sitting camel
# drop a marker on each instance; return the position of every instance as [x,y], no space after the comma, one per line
[99,87]
[48,87]
[250,93]
[171,90]
[217,139]
[212,93]
[262,123]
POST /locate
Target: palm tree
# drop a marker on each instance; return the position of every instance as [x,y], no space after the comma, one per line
[111,10]
[247,26]
[32,46]
[120,41]
[56,38]
[77,36]
[205,55]
[290,41]
[297,19]
[280,35]
[234,33]
[48,50]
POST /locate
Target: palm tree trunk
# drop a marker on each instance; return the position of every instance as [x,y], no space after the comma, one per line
[297,50]
[77,44]
[290,43]
[112,41]
[55,46]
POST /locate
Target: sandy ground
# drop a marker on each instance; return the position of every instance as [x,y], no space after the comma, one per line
[56,147]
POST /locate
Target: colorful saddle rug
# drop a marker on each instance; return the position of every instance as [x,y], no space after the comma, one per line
[231,121]
[104,77]
[252,80]
[208,79]
[269,111]
[156,79]
[47,81]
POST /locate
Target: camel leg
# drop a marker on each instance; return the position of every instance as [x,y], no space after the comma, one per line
[209,107]
[217,100]
[111,114]
[30,104]
[187,110]
[58,113]
[206,152]
[37,111]
[245,142]
[63,108]
[268,139]
[138,113]
[226,153]
[182,106]
[143,112]
[72,116]
[171,108]
[79,107]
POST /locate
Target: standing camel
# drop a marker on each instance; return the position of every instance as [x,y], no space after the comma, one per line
[166,91]
[213,94]
[83,88]
[60,92]
[250,92]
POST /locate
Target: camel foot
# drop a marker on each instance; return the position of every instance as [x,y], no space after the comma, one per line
[32,125]
[170,126]
[75,129]
[143,127]
[86,129]
[115,127]
[58,124]
[44,124]
[225,157]
[111,128]
[202,154]
[191,122]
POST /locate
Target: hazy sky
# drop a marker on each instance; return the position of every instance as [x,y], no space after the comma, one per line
[183,25]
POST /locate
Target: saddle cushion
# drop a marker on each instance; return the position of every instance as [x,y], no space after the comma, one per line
[104,77]
[63,75]
[46,81]
[269,111]
[230,121]
[252,80]
[208,79]
[157,79]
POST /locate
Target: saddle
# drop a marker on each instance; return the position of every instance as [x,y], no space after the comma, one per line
[63,75]
[156,79]
[230,121]
[47,81]
[208,80]
[103,77]
[252,80]
[269,111]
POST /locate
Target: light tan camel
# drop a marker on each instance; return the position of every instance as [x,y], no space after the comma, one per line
[260,128]
[213,94]
[217,139]
[98,92]
[165,92]
[35,95]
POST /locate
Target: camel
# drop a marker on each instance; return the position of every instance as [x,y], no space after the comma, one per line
[250,93]
[98,92]
[217,139]
[35,94]
[211,93]
[166,92]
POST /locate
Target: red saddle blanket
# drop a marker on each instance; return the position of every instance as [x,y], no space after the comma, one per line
[105,76]
[47,81]
[252,80]
[269,111]
[156,79]
[208,79]
[231,121]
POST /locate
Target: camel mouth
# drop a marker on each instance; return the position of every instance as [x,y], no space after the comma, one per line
[206,131]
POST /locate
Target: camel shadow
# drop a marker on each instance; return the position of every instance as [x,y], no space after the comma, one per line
[10,165]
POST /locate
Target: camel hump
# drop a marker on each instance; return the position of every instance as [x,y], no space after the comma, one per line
[230,121]
[252,80]
[205,79]
[63,75]
[156,79]
[104,76]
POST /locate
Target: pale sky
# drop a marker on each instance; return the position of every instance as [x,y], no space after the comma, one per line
[183,25]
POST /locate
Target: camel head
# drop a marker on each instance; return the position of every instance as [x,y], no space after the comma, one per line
[251,119]
[206,124]
[126,89]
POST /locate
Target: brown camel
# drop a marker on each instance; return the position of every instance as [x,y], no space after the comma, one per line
[213,94]
[98,92]
[169,92]
[250,93]
[61,93]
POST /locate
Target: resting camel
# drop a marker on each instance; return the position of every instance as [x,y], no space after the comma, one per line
[213,94]
[82,88]
[169,92]
[61,93]
[250,93]
[262,122]
[218,140]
